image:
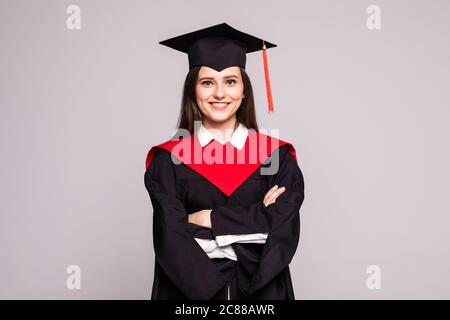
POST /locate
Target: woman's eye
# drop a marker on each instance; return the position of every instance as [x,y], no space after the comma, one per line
[231,81]
[206,83]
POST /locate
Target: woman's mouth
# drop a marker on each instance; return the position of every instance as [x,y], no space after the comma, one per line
[219,106]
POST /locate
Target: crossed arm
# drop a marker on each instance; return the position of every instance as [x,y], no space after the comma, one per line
[203,217]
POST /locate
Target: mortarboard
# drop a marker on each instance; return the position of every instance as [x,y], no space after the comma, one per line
[219,47]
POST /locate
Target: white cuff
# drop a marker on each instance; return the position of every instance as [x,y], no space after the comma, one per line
[241,238]
[213,250]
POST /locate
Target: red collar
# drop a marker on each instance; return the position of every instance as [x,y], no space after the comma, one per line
[225,176]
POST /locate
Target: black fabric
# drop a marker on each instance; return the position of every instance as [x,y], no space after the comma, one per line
[182,268]
[217,53]
[219,46]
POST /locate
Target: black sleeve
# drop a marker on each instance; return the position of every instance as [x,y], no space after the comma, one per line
[176,250]
[257,218]
[259,264]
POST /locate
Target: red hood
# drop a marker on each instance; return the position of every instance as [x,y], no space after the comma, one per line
[225,176]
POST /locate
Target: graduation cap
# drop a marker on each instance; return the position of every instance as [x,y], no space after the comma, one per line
[219,47]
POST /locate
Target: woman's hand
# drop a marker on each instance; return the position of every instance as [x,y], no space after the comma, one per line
[273,194]
[201,218]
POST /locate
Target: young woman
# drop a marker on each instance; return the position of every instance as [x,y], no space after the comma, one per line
[222,229]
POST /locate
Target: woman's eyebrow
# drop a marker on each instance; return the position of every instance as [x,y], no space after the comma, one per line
[227,76]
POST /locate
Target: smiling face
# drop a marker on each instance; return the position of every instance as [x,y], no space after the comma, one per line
[219,94]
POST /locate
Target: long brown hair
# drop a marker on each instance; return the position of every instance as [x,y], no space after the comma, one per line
[190,111]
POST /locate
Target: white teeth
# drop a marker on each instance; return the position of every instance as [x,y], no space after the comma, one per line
[219,105]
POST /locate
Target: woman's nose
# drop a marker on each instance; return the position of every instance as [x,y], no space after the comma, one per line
[219,92]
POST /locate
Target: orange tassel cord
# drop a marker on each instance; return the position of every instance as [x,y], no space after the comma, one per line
[266,76]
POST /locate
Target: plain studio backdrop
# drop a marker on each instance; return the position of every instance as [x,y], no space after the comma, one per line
[367,111]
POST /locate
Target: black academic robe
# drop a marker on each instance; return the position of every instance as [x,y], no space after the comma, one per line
[183,271]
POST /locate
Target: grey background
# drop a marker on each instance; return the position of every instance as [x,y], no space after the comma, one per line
[368,113]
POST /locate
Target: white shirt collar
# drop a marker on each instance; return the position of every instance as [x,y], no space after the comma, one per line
[238,137]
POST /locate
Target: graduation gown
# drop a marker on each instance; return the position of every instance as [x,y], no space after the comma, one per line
[234,192]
